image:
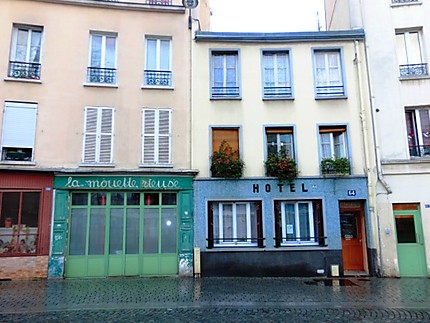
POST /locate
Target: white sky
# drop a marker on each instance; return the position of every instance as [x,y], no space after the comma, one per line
[266,15]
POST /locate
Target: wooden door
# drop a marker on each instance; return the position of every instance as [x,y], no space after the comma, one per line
[352,241]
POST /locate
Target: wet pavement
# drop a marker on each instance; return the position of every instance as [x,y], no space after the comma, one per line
[173,299]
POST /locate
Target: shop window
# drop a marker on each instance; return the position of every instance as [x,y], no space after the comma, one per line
[19,219]
[298,223]
[235,224]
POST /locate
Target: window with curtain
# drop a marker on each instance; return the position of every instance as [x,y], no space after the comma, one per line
[418,131]
[410,53]
[276,74]
[224,74]
[102,58]
[280,139]
[328,74]
[157,137]
[25,55]
[98,135]
[19,131]
[333,142]
[158,70]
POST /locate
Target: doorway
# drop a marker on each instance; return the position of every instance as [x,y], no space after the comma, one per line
[410,242]
[353,234]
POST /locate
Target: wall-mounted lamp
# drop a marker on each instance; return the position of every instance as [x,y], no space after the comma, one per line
[190,4]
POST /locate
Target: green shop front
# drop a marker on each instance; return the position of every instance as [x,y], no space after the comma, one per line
[122,226]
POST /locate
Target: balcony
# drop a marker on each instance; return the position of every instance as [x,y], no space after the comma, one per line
[411,70]
[101,75]
[23,70]
[419,151]
[330,91]
[225,92]
[277,91]
[157,78]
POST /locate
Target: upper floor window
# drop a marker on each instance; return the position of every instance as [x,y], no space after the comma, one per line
[157,137]
[19,129]
[276,75]
[329,82]
[102,60]
[333,142]
[98,135]
[158,70]
[235,223]
[280,139]
[225,74]
[410,53]
[418,131]
[403,1]
[25,53]
[298,223]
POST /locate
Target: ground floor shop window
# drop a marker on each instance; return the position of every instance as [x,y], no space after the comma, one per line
[19,221]
[105,223]
[298,223]
[234,224]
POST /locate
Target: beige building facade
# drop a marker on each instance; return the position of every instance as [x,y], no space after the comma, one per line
[95,138]
[397,52]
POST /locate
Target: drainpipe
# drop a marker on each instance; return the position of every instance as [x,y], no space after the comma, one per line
[371,182]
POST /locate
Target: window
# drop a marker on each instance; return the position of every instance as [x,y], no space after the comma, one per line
[333,142]
[25,53]
[280,139]
[157,137]
[98,136]
[158,70]
[276,75]
[19,221]
[418,131]
[410,53]
[225,75]
[19,129]
[298,223]
[102,60]
[328,74]
[232,224]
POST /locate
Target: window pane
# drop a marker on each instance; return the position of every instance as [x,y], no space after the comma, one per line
[132,233]
[96,51]
[425,126]
[117,199]
[116,232]
[165,55]
[30,209]
[290,222]
[152,198]
[305,231]
[97,232]
[405,228]
[339,144]
[79,198]
[227,219]
[414,50]
[110,52]
[241,222]
[151,233]
[21,45]
[401,49]
[168,198]
[98,198]
[133,198]
[10,208]
[35,46]
[216,219]
[151,54]
[78,232]
[168,231]
[325,139]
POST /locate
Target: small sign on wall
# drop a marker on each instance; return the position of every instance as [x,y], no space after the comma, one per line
[427,205]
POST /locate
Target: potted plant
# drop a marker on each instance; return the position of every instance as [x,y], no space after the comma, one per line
[281,166]
[226,162]
[335,166]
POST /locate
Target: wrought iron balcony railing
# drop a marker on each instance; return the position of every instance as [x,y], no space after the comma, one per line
[413,70]
[403,1]
[419,151]
[232,242]
[330,91]
[321,241]
[158,78]
[23,70]
[225,92]
[277,91]
[101,75]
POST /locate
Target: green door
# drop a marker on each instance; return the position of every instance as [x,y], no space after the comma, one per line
[410,243]
[122,234]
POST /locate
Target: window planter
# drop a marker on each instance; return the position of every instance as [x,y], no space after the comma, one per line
[281,166]
[335,166]
[226,163]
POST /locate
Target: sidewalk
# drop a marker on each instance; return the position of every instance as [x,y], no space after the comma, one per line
[217,299]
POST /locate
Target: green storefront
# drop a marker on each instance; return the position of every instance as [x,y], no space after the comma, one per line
[122,226]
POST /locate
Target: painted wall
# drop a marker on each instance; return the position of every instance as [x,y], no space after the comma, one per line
[61,94]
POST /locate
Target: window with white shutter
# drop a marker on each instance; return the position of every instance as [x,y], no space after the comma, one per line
[98,135]
[19,129]
[156,137]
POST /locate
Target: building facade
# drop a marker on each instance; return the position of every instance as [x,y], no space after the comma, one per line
[398,55]
[95,173]
[282,138]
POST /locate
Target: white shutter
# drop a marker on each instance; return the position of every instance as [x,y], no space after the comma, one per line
[148,139]
[98,136]
[19,125]
[164,136]
[106,136]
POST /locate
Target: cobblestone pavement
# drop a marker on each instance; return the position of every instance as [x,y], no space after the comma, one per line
[172,299]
